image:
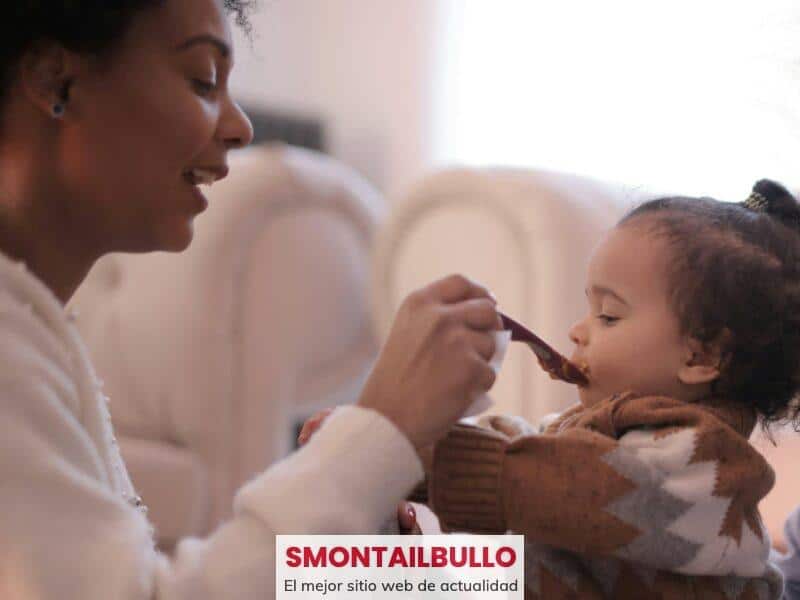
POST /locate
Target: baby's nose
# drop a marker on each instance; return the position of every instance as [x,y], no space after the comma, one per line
[577,334]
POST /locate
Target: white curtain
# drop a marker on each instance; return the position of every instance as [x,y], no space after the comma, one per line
[690,96]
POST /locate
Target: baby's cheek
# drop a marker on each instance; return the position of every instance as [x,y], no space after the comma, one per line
[612,376]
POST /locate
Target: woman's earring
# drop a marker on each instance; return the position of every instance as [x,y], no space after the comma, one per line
[58,110]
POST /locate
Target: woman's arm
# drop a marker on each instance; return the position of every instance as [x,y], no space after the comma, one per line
[65,534]
[329,486]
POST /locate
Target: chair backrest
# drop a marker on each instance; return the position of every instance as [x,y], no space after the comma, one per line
[220,351]
[526,234]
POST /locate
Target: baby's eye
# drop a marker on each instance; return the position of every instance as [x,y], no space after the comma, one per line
[607,319]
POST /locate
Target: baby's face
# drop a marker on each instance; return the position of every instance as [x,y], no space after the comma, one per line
[629,339]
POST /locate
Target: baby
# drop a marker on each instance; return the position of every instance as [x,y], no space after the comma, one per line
[648,487]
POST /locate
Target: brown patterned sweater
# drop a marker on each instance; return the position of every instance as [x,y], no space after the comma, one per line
[635,497]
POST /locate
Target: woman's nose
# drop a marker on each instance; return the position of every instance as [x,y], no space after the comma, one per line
[236,129]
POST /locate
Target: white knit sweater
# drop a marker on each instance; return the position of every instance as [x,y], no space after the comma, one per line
[69,527]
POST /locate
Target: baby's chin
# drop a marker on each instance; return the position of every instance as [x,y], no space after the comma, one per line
[593,394]
[589,396]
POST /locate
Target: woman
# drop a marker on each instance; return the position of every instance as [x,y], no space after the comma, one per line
[109,118]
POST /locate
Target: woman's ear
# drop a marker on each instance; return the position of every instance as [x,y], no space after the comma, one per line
[702,361]
[45,73]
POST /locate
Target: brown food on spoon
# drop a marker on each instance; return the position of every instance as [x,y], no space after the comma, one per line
[556,365]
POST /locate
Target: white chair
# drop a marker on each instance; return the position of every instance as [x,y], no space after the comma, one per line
[212,357]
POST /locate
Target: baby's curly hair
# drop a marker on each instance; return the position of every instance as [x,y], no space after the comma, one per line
[735,280]
[89,26]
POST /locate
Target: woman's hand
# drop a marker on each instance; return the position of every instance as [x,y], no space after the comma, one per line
[436,359]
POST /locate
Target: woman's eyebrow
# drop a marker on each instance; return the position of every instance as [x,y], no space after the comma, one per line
[205,38]
[601,291]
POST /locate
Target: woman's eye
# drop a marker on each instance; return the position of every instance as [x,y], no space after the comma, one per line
[202,87]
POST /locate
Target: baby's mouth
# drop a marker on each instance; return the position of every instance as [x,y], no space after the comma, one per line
[583,367]
[554,364]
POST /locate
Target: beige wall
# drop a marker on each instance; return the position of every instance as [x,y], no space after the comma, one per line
[364,66]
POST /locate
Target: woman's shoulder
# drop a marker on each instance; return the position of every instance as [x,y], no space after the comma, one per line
[33,340]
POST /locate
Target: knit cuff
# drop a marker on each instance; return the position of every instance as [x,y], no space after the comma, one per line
[465,486]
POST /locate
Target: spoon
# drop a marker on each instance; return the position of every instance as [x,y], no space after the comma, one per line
[551,361]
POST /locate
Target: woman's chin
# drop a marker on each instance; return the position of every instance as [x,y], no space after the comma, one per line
[179,243]
[177,236]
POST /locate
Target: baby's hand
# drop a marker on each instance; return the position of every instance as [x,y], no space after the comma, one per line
[311,425]
[512,427]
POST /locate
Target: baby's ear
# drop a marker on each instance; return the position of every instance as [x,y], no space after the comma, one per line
[703,361]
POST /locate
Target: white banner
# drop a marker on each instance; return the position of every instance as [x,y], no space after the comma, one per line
[366,567]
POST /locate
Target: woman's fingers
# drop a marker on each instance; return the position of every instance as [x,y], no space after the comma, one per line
[477,313]
[435,359]
[484,374]
[483,343]
[456,288]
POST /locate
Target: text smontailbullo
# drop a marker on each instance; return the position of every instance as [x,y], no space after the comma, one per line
[411,556]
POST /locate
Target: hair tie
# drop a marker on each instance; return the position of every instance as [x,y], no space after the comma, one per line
[756,202]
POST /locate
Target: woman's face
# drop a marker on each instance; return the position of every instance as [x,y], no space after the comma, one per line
[139,123]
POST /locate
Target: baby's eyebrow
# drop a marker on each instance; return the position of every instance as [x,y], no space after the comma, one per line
[600,290]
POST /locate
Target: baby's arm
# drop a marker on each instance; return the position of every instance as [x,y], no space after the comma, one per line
[651,480]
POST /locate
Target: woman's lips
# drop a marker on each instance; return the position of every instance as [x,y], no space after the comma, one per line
[201,200]
[197,176]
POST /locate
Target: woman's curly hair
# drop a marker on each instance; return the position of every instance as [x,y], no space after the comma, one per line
[87,26]
[734,279]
